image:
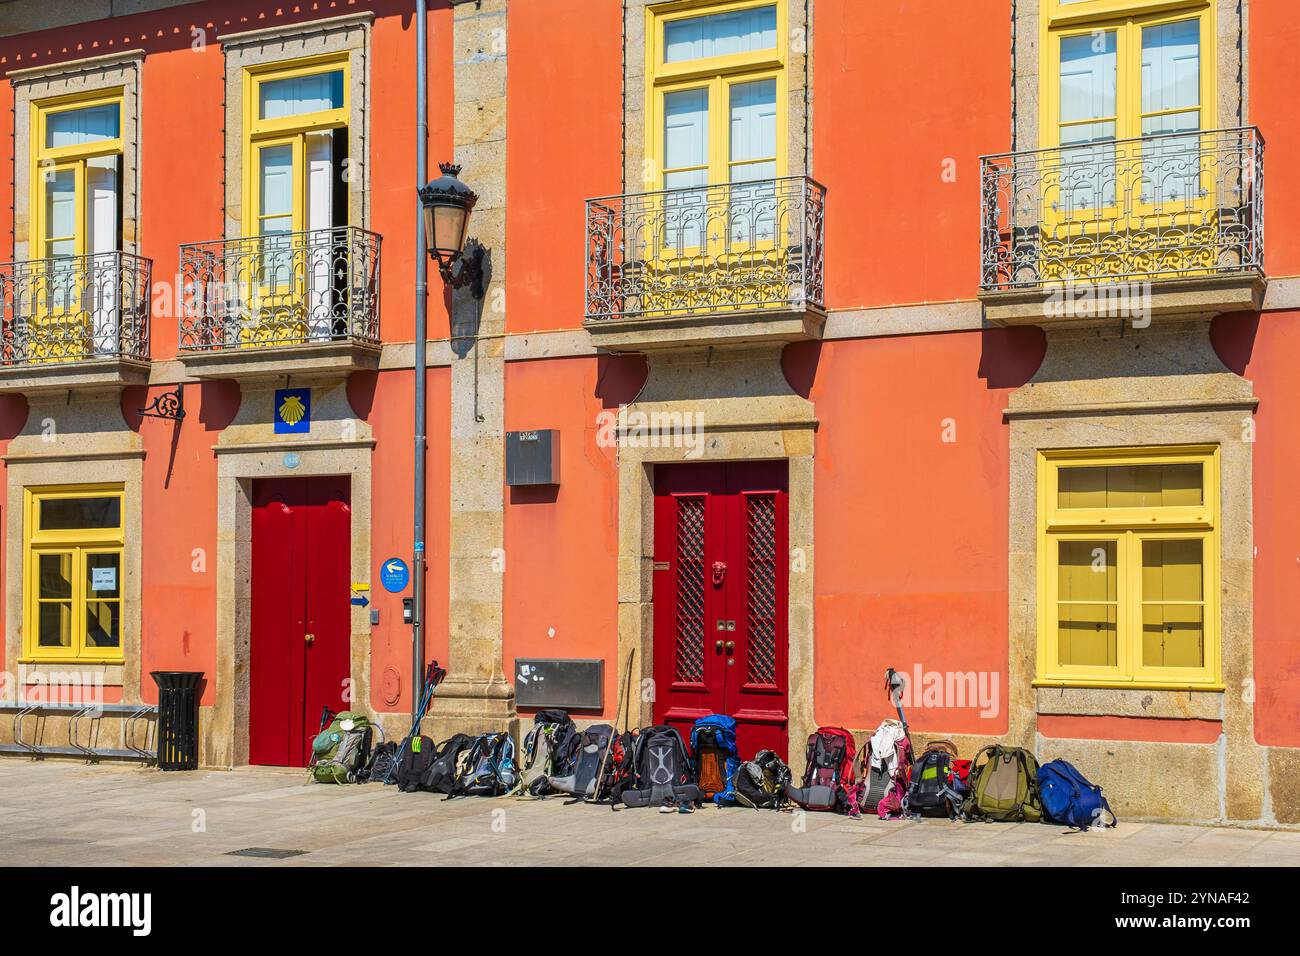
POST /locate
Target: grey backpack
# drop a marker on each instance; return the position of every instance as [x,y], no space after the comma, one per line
[547,752]
[662,770]
[593,744]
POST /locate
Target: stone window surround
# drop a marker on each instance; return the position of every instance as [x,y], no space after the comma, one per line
[36,469]
[1156,387]
[348,34]
[1230,59]
[78,77]
[799,82]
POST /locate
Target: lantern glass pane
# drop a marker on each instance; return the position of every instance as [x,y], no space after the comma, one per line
[448,228]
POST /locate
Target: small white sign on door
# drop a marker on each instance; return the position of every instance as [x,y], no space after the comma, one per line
[103,579]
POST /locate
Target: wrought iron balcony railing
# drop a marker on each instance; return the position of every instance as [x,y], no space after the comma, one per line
[1179,205]
[281,289]
[738,247]
[75,308]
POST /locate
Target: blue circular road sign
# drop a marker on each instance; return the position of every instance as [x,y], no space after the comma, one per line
[394,575]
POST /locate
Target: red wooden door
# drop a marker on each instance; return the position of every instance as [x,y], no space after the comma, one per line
[300,641]
[720,598]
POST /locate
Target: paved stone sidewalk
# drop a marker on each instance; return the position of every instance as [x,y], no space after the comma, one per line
[59,813]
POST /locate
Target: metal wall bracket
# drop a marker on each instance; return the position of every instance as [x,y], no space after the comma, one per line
[168,405]
[470,272]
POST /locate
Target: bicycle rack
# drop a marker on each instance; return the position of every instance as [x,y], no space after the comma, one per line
[132,715]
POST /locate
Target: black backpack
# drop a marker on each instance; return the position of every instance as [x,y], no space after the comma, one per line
[440,775]
[381,764]
[488,769]
[588,754]
[414,763]
[760,783]
[933,791]
[829,774]
[662,771]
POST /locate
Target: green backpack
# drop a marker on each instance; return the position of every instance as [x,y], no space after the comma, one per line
[1004,786]
[342,750]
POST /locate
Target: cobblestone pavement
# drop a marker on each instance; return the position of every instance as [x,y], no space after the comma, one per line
[65,814]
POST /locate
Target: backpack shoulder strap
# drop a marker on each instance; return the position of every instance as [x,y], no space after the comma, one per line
[990,751]
[1029,763]
[986,755]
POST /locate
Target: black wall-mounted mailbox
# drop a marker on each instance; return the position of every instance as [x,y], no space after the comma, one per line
[552,682]
[533,457]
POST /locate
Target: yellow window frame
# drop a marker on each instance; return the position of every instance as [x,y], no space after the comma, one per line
[78,543]
[275,290]
[45,158]
[261,132]
[1127,18]
[1128,528]
[61,300]
[289,131]
[718,74]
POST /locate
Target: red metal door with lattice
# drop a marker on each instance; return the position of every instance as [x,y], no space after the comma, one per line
[758,669]
[720,601]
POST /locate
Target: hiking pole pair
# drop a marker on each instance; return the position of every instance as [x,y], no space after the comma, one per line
[433,676]
[624,692]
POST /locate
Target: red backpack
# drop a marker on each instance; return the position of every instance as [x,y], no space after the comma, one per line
[829,775]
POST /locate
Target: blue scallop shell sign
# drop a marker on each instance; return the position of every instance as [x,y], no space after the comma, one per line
[394,575]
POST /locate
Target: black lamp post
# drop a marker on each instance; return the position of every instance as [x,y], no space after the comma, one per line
[447,205]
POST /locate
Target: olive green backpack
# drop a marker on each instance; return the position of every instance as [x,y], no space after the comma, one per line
[342,750]
[1003,786]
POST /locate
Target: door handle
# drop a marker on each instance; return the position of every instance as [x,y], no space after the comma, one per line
[310,639]
[731,647]
[718,646]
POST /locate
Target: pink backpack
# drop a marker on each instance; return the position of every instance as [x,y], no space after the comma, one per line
[890,806]
[875,782]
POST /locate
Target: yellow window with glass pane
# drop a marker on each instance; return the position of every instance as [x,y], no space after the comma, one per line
[76,203]
[72,577]
[716,139]
[296,203]
[1128,90]
[1128,567]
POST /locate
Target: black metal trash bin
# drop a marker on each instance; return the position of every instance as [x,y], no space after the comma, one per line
[178,719]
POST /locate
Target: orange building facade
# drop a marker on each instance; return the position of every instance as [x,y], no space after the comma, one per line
[860,336]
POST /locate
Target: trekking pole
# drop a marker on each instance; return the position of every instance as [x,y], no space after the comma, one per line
[894,688]
[433,676]
[623,690]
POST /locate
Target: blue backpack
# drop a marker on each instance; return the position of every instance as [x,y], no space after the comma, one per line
[713,741]
[1070,798]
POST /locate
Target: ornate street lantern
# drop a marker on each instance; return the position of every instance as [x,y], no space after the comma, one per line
[447,204]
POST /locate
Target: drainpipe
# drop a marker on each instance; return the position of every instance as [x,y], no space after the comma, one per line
[421,334]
